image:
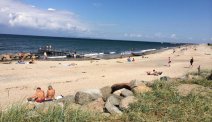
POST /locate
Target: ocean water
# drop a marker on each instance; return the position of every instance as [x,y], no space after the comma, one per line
[20,43]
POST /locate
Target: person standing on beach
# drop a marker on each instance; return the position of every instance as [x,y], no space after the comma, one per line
[45,55]
[191,62]
[169,62]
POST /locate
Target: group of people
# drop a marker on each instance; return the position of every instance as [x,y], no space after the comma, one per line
[130,60]
[40,96]
[154,72]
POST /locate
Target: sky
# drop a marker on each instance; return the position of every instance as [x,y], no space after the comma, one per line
[139,20]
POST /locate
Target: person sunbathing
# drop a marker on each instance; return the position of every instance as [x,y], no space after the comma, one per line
[50,94]
[38,97]
[155,73]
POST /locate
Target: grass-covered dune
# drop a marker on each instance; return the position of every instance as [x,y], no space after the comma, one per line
[187,99]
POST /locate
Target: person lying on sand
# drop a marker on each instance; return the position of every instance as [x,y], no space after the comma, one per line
[38,97]
[155,73]
[50,94]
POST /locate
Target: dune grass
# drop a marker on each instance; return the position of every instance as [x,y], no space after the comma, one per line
[163,103]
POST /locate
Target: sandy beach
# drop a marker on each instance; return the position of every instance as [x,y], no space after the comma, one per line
[18,81]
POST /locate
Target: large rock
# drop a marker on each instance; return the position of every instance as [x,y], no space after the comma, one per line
[112,108]
[141,89]
[124,104]
[118,86]
[209,77]
[106,92]
[67,99]
[165,78]
[114,99]
[126,93]
[86,96]
[95,106]
[135,83]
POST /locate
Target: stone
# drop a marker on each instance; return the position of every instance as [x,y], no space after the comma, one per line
[165,78]
[135,83]
[95,106]
[106,92]
[112,108]
[124,104]
[86,96]
[118,86]
[126,93]
[67,99]
[114,99]
[209,77]
[141,89]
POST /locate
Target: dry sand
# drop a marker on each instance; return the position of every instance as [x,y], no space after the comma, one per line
[18,81]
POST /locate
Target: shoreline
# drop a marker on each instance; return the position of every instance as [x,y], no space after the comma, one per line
[67,77]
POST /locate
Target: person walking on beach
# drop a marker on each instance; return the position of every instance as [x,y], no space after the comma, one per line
[169,62]
[191,62]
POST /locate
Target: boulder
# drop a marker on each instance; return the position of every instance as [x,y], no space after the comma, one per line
[118,86]
[141,89]
[67,99]
[135,83]
[106,92]
[124,104]
[114,99]
[86,96]
[209,77]
[95,106]
[126,93]
[118,92]
[165,78]
[112,108]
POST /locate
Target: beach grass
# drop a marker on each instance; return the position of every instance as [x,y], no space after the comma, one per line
[163,103]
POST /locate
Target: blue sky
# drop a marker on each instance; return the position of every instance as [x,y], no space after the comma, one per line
[140,20]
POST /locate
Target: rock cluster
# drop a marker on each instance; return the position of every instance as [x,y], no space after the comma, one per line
[109,99]
[17,56]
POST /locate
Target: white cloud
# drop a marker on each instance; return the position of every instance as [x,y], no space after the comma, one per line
[51,9]
[133,35]
[17,14]
[173,36]
[211,38]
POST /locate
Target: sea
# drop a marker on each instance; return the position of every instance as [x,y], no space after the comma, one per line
[24,43]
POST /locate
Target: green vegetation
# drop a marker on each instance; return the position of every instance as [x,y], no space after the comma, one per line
[163,103]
